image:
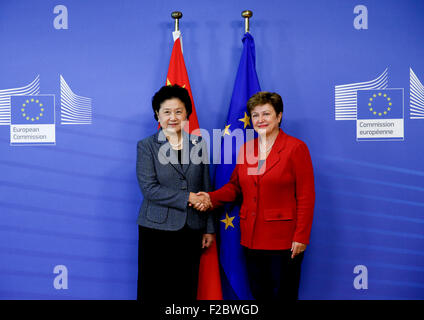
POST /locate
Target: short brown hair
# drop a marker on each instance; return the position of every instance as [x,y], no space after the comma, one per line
[264,97]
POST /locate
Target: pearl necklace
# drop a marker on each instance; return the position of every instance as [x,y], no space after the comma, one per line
[175,145]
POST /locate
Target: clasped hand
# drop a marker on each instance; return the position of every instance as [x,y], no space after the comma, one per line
[200,201]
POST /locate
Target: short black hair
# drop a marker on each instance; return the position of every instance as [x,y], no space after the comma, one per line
[169,92]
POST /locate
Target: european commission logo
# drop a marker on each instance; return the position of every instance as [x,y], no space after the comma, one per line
[380,115]
[31,115]
[32,119]
[377,109]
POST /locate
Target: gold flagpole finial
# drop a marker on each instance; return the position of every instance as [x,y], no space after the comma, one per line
[177,15]
[246,14]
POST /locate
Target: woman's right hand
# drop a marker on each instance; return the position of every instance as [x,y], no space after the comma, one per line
[200,201]
[206,200]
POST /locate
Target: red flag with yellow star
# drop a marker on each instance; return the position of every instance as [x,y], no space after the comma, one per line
[209,287]
[177,74]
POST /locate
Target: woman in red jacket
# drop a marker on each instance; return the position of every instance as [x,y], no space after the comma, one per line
[274,175]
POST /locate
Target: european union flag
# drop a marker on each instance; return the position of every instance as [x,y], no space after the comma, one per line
[380,104]
[32,109]
[231,253]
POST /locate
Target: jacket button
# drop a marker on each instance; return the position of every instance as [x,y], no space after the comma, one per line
[253,214]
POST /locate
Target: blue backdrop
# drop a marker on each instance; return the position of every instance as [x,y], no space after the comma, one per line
[75,203]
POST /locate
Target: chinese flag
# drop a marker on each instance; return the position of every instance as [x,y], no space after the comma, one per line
[209,278]
[177,74]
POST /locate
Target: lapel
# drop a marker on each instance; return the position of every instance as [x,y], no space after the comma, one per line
[272,159]
[165,150]
[252,161]
[187,147]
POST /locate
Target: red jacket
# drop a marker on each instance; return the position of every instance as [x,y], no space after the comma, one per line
[278,201]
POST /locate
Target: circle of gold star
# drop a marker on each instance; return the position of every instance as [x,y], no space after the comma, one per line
[30,103]
[376,112]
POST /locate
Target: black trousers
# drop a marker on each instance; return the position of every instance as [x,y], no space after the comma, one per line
[273,275]
[168,264]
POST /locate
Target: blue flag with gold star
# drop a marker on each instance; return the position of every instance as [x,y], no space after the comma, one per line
[32,109]
[380,114]
[380,104]
[235,284]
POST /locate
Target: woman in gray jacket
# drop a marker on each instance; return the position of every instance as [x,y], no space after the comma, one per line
[172,166]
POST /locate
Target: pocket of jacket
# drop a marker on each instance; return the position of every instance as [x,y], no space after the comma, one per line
[157,213]
[279,214]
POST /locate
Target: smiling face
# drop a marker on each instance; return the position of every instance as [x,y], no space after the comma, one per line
[265,120]
[172,115]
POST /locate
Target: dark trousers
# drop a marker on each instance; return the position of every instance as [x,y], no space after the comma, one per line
[168,264]
[273,275]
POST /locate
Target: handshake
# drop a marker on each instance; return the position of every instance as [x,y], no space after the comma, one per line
[200,201]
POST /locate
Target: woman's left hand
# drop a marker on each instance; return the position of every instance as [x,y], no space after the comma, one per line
[207,240]
[297,248]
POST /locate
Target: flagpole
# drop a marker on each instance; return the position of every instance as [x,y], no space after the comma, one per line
[177,15]
[246,14]
[209,278]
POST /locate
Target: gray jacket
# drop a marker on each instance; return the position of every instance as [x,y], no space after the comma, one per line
[166,184]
